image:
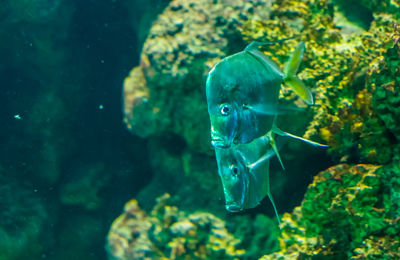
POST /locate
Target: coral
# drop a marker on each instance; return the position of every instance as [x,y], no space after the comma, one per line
[346,213]
[167,233]
[384,81]
[258,234]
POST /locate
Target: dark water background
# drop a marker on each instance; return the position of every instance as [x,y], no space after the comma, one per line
[61,71]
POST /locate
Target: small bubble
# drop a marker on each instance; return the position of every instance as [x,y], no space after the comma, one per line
[101,107]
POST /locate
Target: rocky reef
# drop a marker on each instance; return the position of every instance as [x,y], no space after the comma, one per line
[351,64]
[168,233]
[347,212]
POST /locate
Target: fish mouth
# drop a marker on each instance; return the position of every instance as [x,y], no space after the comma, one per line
[219,142]
[233,208]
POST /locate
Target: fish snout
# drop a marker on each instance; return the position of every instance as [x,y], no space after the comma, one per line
[219,141]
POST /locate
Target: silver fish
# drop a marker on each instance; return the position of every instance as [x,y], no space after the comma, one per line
[244,172]
[242,94]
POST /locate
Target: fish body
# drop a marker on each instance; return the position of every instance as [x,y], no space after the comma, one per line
[244,173]
[243,186]
[242,94]
[244,170]
[235,83]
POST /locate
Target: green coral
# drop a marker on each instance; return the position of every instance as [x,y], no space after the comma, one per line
[385,80]
[346,212]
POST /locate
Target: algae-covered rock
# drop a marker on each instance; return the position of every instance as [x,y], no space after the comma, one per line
[341,67]
[347,212]
[168,233]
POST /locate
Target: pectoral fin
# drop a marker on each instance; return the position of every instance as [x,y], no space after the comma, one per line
[278,131]
[267,109]
[261,160]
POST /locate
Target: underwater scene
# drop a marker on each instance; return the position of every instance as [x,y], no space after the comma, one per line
[199,129]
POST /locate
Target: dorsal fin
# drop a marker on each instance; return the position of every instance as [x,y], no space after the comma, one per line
[290,78]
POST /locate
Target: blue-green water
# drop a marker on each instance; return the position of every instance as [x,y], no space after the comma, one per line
[61,73]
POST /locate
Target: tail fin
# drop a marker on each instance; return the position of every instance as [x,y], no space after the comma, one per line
[290,77]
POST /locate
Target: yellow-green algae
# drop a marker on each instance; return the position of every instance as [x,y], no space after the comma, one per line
[342,69]
[347,212]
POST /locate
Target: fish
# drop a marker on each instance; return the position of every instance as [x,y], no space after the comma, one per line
[244,173]
[242,93]
[244,170]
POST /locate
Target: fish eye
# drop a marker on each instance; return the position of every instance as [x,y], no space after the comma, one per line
[234,170]
[224,109]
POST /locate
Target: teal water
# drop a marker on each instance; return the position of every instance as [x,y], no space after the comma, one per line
[67,164]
